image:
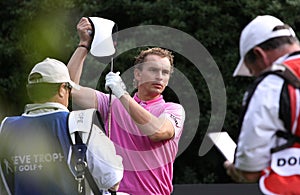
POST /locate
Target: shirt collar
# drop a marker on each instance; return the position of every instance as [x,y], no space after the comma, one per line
[31,109]
[145,103]
[285,57]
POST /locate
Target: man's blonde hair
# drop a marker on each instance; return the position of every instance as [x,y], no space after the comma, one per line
[140,59]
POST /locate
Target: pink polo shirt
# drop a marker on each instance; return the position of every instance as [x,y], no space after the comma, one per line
[148,165]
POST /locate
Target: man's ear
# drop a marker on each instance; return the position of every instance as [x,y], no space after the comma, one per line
[261,55]
[61,90]
[137,74]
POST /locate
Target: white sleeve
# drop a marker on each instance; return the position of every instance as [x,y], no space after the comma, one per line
[2,180]
[261,121]
[2,123]
[2,186]
[103,162]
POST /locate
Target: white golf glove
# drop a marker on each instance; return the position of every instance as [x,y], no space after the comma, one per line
[115,83]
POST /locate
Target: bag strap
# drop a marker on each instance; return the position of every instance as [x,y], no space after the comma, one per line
[80,122]
[284,72]
[87,173]
[289,76]
[291,140]
[82,167]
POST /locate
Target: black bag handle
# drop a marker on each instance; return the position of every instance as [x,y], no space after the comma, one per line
[81,165]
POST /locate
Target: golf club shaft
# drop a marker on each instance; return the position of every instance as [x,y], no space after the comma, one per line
[110,94]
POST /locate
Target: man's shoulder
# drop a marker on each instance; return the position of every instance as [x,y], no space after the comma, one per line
[170,103]
[173,104]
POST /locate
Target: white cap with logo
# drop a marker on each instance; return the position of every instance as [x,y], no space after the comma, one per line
[51,71]
[257,31]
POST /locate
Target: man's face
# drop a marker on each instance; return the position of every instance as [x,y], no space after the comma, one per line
[66,93]
[154,76]
[254,69]
[263,60]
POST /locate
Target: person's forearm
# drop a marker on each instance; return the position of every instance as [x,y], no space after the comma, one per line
[75,64]
[156,128]
[137,113]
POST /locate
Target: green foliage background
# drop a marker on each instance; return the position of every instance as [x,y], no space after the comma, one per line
[32,30]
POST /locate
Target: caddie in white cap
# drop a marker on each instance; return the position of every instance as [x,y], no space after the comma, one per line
[47,136]
[51,71]
[268,143]
[47,81]
[259,30]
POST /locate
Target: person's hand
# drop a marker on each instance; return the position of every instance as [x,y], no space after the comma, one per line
[234,173]
[241,176]
[114,188]
[83,28]
[115,83]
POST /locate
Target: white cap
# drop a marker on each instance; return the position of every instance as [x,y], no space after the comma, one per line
[51,71]
[257,31]
[102,44]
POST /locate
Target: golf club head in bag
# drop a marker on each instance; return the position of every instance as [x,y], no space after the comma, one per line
[104,39]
